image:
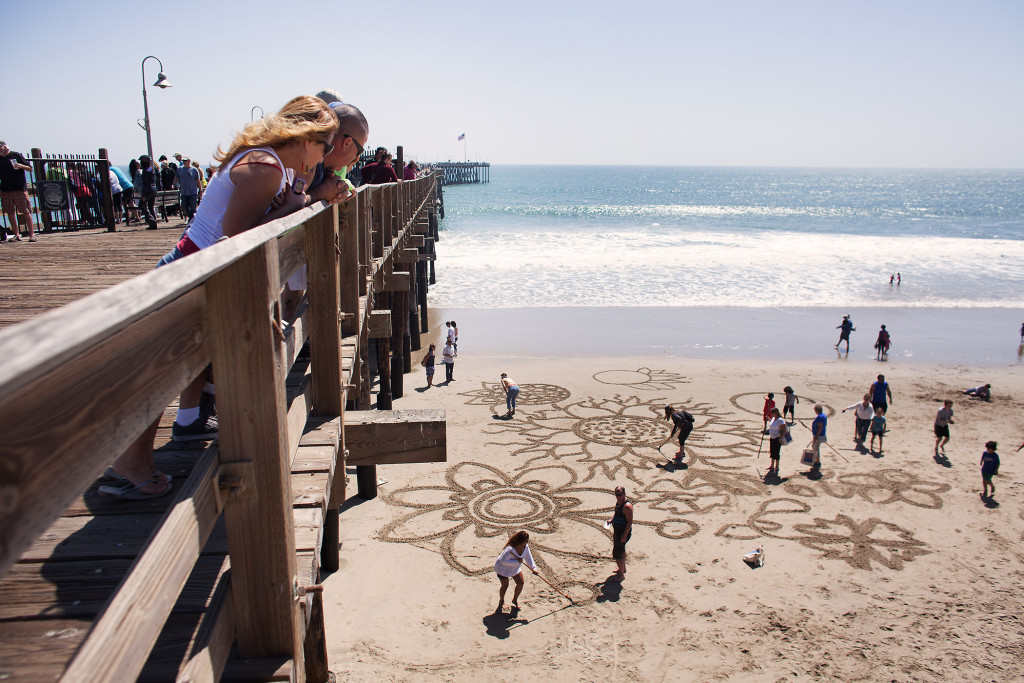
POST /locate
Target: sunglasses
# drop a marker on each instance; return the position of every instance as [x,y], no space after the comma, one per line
[328,147]
[355,142]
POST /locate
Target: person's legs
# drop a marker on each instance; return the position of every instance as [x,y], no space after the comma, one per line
[682,443]
[880,436]
[501,592]
[190,425]
[449,370]
[816,447]
[518,578]
[25,209]
[12,215]
[513,395]
[137,466]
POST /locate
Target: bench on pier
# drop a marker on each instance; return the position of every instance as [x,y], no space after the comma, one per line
[168,202]
[219,578]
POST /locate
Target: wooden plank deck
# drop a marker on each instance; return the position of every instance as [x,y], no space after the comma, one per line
[64,266]
[50,599]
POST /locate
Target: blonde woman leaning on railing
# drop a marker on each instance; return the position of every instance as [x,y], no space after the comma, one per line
[253,185]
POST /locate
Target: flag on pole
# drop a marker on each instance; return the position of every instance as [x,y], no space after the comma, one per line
[462,137]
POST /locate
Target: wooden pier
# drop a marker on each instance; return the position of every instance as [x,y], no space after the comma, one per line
[219,579]
[463,173]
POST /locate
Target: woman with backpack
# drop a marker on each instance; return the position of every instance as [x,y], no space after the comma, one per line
[682,421]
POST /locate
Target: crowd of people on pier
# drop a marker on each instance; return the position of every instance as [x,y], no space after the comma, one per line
[134,194]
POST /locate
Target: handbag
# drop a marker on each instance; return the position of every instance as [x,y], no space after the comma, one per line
[808,457]
[786,438]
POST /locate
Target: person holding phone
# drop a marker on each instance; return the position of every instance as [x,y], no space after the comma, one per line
[253,186]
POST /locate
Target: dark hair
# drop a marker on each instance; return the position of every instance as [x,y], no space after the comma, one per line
[990,444]
[433,346]
[668,412]
[788,390]
[518,537]
[771,395]
[454,324]
[133,166]
[775,412]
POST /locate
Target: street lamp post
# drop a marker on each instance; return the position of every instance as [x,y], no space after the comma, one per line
[161,82]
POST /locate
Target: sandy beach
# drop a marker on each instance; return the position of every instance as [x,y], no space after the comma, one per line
[887,567]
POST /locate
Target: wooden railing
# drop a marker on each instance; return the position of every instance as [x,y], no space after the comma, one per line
[79,384]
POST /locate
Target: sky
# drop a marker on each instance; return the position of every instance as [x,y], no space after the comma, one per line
[912,83]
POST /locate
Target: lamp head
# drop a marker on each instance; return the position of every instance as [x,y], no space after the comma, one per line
[161,81]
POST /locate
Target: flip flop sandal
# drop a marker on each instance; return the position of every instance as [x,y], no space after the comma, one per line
[134,491]
[109,473]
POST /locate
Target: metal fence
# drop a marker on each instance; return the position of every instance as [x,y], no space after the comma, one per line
[72,191]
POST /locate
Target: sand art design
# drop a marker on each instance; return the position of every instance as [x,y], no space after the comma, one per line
[642,378]
[624,436]
[753,403]
[492,394]
[858,543]
[881,487]
[469,517]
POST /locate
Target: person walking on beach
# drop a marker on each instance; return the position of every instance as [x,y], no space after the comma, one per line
[766,412]
[790,404]
[14,192]
[682,421]
[428,363]
[511,392]
[509,565]
[882,343]
[818,435]
[448,358]
[892,279]
[989,468]
[622,528]
[845,328]
[863,411]
[1022,333]
[877,429]
[879,392]
[943,419]
[776,432]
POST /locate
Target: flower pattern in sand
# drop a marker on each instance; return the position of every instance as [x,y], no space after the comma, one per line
[622,436]
[469,518]
[642,378]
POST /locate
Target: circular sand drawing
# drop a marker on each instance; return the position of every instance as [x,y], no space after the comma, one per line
[529,395]
[643,378]
[622,430]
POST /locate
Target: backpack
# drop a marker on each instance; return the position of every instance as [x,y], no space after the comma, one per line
[687,418]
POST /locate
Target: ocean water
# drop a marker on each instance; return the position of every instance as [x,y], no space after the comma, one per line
[591,236]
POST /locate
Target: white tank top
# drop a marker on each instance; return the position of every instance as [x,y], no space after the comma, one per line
[208,224]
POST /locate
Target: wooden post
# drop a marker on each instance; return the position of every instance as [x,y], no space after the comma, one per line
[348,245]
[365,390]
[103,168]
[324,303]
[384,370]
[414,300]
[397,357]
[248,354]
[421,274]
[315,645]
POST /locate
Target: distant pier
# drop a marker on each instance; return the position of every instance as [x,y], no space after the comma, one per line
[463,173]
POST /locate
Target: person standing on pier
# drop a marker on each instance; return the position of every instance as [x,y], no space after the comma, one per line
[385,172]
[147,192]
[367,171]
[188,183]
[14,192]
[329,180]
[251,187]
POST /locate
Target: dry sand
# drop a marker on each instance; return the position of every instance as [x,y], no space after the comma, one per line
[888,567]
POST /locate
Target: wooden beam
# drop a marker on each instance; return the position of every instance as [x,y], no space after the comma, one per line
[415,240]
[406,256]
[379,325]
[380,437]
[397,282]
